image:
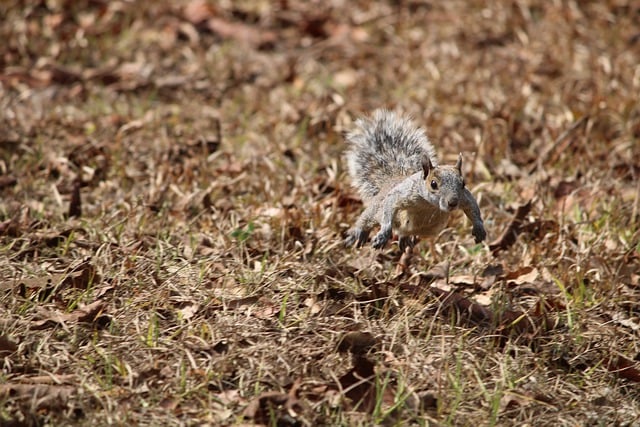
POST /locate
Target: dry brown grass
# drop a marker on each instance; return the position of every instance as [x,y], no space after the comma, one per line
[201,278]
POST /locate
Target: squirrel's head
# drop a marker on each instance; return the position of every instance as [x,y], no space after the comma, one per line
[444,182]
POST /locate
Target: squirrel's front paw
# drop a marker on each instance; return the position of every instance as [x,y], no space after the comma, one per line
[479,233]
[381,238]
[357,236]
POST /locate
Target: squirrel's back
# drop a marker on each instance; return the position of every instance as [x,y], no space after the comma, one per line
[385,146]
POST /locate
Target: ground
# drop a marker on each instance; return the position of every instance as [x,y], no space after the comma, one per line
[174,200]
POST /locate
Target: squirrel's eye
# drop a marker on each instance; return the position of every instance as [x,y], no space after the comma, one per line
[434,184]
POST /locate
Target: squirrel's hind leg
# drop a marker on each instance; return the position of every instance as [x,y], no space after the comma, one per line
[407,242]
[433,252]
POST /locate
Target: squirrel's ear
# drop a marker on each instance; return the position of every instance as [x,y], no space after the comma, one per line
[426,165]
[459,164]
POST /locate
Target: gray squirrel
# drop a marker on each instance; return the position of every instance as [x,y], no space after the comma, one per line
[394,167]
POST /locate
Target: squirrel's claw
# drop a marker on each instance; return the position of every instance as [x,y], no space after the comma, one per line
[479,233]
[381,239]
[357,236]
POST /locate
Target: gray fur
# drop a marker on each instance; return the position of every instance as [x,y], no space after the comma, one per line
[394,167]
[384,146]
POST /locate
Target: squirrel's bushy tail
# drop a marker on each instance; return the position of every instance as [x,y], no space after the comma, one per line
[384,146]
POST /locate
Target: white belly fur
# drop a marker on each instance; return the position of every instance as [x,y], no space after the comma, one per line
[427,220]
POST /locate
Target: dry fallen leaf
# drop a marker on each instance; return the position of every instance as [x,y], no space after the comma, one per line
[7,181]
[263,408]
[75,204]
[624,367]
[522,275]
[509,236]
[189,311]
[40,396]
[456,304]
[198,11]
[7,346]
[250,35]
[187,121]
[357,343]
[464,280]
[359,385]
[86,314]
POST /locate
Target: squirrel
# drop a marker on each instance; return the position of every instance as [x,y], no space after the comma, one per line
[394,167]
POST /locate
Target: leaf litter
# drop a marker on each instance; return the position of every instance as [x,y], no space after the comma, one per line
[174,198]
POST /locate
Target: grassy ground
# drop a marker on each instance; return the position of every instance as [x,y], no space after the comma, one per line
[174,198]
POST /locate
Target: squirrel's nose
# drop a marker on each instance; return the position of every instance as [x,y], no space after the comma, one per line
[453,203]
